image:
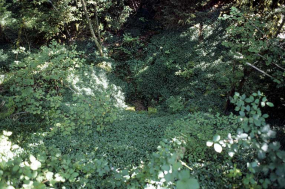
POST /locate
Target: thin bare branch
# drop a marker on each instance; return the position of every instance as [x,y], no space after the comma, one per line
[261,71]
[271,62]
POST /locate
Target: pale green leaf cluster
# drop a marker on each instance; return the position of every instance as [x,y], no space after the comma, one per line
[254,144]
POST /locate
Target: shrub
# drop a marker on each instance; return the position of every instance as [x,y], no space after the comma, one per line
[256,158]
[196,129]
[7,107]
[47,167]
[41,86]
[40,79]
[176,64]
[175,104]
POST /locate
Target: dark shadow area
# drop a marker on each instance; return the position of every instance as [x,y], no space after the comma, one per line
[179,63]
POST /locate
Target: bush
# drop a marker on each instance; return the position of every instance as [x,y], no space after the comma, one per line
[175,63]
[40,79]
[255,156]
[41,85]
[7,107]
[47,167]
[175,104]
[196,129]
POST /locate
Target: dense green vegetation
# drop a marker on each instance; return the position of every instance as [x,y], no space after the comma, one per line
[142,94]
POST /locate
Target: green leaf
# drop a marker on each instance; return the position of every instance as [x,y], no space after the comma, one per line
[209,143]
[245,181]
[169,177]
[247,108]
[281,182]
[216,138]
[218,148]
[7,133]
[254,164]
[184,175]
[35,164]
[243,135]
[241,113]
[74,175]
[49,175]
[249,100]
[281,154]
[262,104]
[231,154]
[177,165]
[125,172]
[10,187]
[277,81]
[118,176]
[265,116]
[252,181]
[15,168]
[188,184]
[257,122]
[273,177]
[270,104]
[165,167]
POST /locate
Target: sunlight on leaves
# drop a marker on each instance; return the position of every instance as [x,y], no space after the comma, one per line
[218,148]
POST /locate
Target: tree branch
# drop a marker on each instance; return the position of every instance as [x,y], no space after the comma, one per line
[91,29]
[65,25]
[280,27]
[271,62]
[261,71]
[264,34]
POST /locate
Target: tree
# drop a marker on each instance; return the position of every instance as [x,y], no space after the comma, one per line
[91,28]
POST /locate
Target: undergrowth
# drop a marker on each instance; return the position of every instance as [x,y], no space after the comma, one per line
[65,123]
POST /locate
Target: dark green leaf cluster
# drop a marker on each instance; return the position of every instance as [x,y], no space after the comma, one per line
[255,44]
[177,65]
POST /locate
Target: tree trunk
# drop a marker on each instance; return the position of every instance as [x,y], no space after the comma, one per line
[97,24]
[91,28]
[233,88]
[2,35]
[19,39]
[280,27]
[246,73]
[201,32]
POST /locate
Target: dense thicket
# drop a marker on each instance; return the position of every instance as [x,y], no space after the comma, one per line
[135,93]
